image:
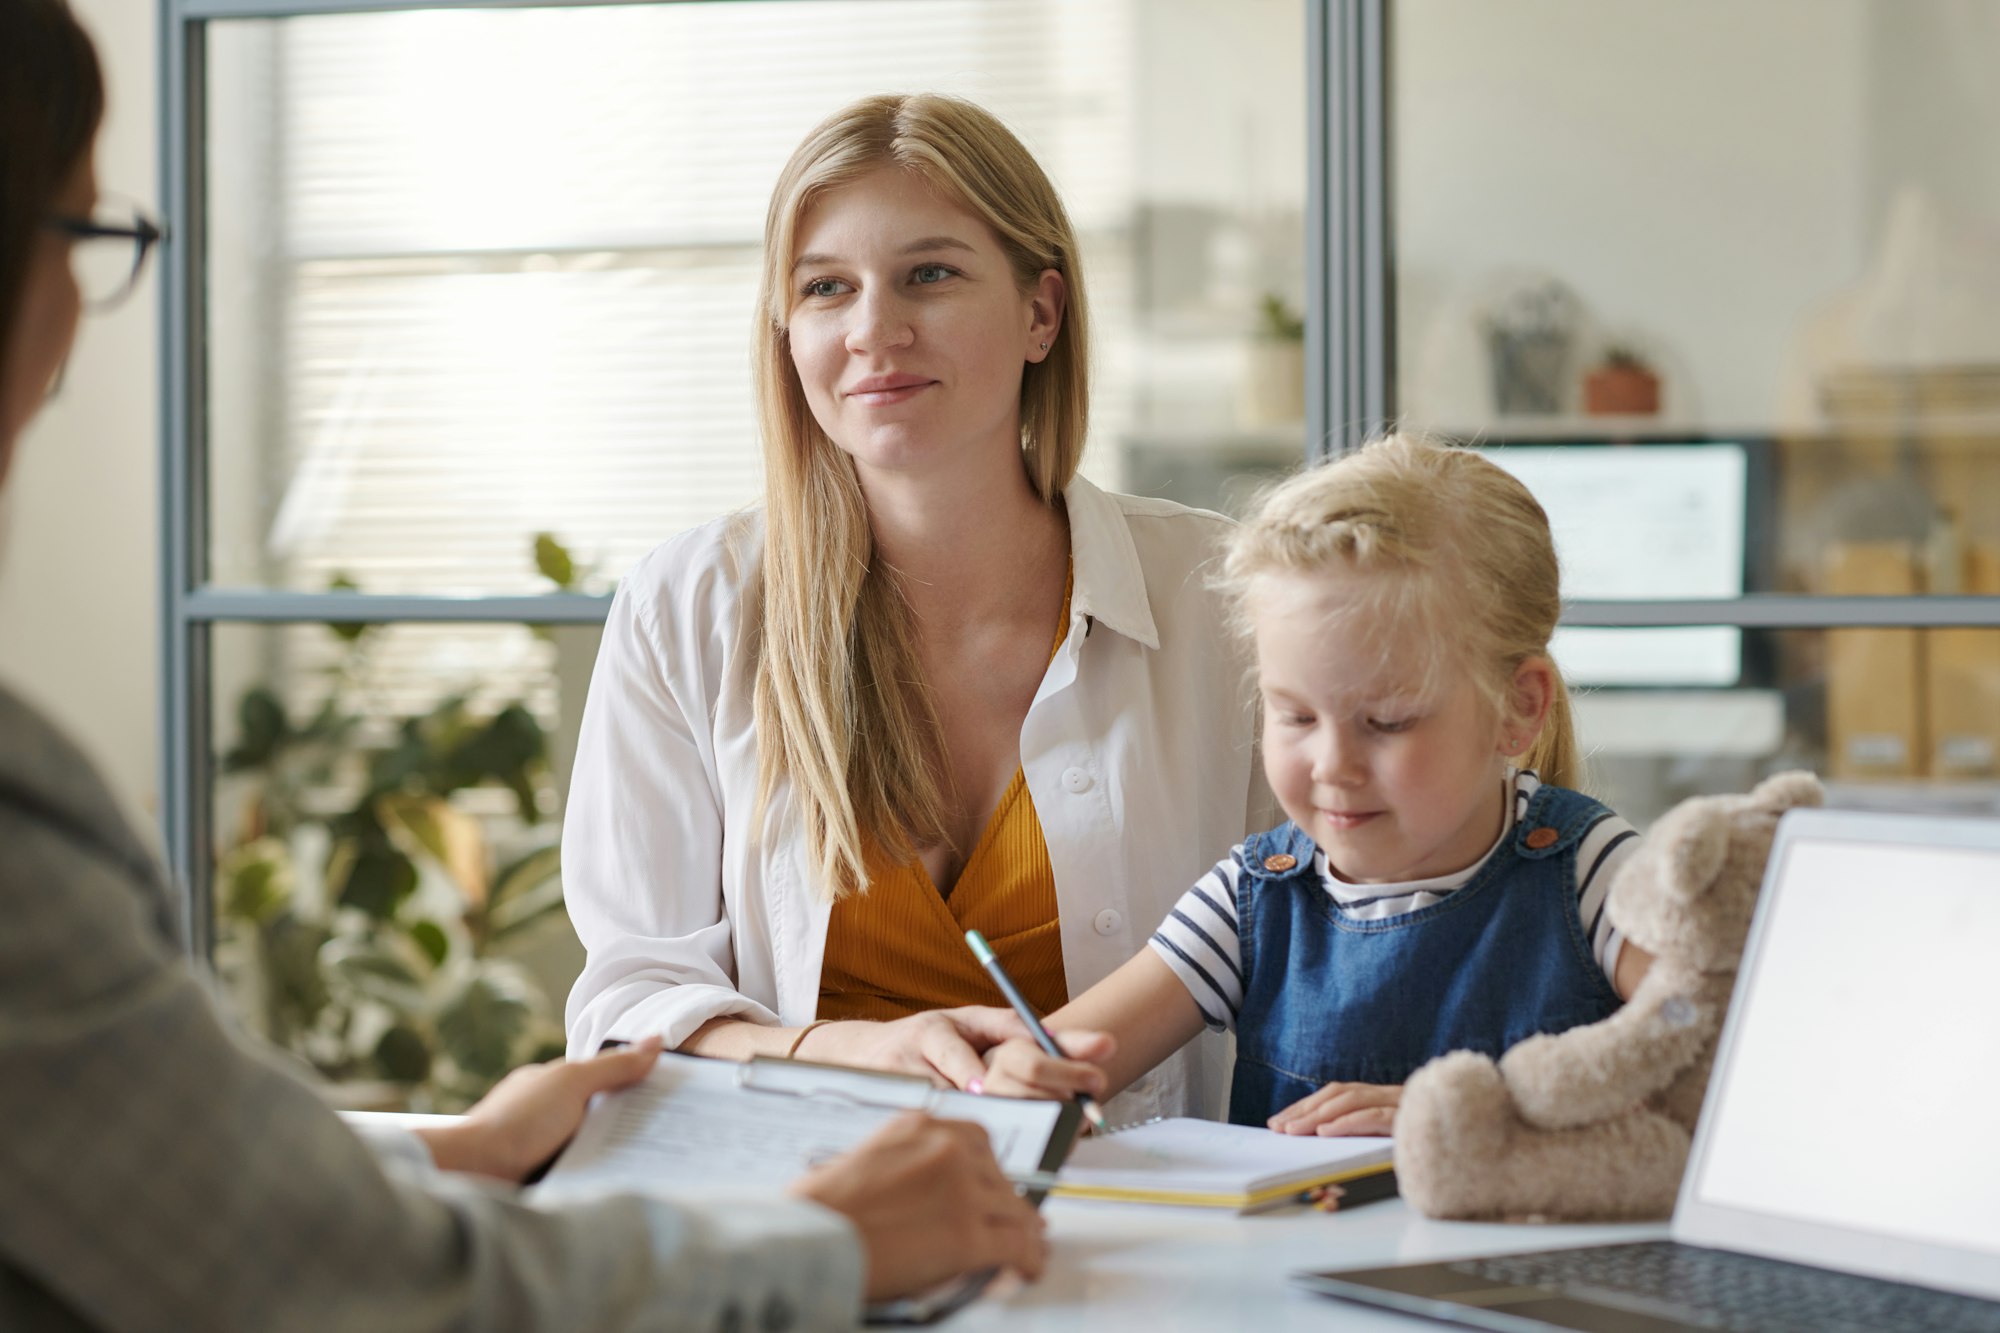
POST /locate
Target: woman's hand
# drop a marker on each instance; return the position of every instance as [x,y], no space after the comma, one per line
[930,1203]
[1019,1067]
[942,1045]
[531,1113]
[1342,1108]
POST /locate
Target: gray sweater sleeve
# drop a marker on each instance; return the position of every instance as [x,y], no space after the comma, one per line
[155,1173]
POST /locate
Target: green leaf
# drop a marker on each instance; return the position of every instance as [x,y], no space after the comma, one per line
[403,1055]
[346,630]
[420,820]
[430,937]
[553,559]
[261,730]
[1278,319]
[525,909]
[535,868]
[372,968]
[257,880]
[378,880]
[295,991]
[507,750]
[525,892]
[480,1027]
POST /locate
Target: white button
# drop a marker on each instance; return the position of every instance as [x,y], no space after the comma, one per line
[1075,780]
[1108,921]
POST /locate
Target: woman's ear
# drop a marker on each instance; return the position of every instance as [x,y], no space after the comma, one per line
[1045,313]
[1530,695]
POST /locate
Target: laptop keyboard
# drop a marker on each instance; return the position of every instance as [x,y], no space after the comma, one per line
[1739,1292]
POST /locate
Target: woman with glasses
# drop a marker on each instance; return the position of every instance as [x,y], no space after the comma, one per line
[157,1174]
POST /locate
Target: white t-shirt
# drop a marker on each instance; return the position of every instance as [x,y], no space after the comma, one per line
[1199,942]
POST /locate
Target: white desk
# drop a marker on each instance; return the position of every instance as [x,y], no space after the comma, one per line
[1134,1266]
[1123,1266]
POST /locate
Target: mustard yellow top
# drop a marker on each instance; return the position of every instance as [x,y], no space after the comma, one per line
[899,947]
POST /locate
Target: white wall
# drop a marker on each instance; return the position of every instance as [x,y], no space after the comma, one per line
[1934,105]
[79,617]
[1696,172]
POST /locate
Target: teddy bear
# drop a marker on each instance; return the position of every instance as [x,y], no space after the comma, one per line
[1594,1124]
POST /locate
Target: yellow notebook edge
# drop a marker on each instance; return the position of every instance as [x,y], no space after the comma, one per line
[1124,1194]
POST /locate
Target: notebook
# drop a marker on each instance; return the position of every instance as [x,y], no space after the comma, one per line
[1845,1173]
[1210,1165]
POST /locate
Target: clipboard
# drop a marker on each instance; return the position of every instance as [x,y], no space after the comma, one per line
[878,1090]
[696,1126]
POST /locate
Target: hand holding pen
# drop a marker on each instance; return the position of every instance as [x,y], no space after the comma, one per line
[984,952]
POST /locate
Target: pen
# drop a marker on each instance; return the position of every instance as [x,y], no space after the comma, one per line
[984,953]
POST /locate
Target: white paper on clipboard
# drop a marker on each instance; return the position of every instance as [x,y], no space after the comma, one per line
[694,1125]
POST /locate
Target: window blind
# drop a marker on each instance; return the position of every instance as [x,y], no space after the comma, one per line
[512,261]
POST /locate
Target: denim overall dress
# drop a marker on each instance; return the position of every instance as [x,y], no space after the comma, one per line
[1328,998]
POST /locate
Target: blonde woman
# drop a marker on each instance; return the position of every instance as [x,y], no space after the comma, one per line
[937,681]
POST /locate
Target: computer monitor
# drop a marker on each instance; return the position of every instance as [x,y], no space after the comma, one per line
[1665,519]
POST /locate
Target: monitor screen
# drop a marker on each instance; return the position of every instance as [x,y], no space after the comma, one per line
[1863,1078]
[1653,521]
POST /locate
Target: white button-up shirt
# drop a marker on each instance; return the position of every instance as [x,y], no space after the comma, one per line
[1139,751]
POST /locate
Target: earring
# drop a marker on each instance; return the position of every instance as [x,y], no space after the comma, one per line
[1045,347]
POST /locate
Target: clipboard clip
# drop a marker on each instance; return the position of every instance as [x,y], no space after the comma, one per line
[865,1089]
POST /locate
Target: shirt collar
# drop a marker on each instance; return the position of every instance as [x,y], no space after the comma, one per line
[1110,582]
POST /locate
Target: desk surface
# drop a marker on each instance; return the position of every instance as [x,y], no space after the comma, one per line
[1124,1266]
[1134,1266]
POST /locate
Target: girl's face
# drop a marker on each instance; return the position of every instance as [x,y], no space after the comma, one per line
[45,326]
[1393,785]
[907,329]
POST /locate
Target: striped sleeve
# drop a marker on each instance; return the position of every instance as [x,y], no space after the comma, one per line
[1198,941]
[1608,845]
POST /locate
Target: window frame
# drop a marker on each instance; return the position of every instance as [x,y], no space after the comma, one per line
[1350,378]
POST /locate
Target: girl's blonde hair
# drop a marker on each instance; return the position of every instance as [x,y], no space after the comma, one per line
[841,705]
[1460,550]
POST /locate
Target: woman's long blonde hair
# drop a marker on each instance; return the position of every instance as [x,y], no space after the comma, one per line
[842,709]
[1467,554]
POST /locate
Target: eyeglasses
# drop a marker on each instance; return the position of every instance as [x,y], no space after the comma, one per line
[108,252]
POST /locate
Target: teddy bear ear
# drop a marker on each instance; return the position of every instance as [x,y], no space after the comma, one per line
[1693,838]
[1784,791]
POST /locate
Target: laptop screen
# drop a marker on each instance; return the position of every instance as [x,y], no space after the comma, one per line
[1862,1085]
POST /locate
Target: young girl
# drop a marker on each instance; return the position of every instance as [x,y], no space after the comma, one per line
[1426,895]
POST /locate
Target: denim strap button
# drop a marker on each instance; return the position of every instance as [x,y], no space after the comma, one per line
[1280,862]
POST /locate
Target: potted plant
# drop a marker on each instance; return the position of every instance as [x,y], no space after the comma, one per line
[1622,384]
[368,922]
[1274,383]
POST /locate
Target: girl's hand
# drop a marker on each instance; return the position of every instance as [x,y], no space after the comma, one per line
[1020,1068]
[1342,1108]
[531,1113]
[942,1045]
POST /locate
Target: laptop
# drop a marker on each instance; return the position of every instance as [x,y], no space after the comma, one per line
[1846,1170]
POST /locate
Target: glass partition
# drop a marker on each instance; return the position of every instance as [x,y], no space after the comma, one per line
[478,274]
[1721,281]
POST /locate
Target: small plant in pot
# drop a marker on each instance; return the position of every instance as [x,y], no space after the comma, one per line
[1622,384]
[1273,389]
